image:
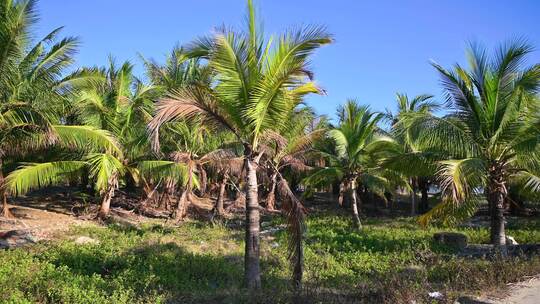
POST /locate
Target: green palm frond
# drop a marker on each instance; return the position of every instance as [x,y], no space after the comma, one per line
[34,176]
[460,178]
[159,170]
[88,138]
[105,170]
[449,212]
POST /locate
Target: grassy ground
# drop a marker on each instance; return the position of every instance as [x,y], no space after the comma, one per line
[391,260]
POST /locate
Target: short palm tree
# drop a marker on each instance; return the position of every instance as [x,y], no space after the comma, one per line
[178,71]
[288,152]
[418,167]
[33,91]
[354,153]
[256,86]
[490,137]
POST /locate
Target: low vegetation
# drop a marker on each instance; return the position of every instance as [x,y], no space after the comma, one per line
[389,261]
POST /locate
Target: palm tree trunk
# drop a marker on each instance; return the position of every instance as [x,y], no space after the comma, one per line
[413,196]
[221,196]
[204,180]
[424,199]
[5,207]
[342,190]
[106,203]
[252,239]
[181,206]
[496,195]
[271,198]
[354,204]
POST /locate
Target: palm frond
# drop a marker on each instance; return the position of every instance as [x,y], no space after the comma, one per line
[34,176]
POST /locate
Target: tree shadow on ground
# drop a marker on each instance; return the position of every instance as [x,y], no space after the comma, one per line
[165,269]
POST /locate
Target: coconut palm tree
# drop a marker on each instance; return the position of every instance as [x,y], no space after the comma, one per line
[288,152]
[256,86]
[33,89]
[354,154]
[490,135]
[411,149]
[178,71]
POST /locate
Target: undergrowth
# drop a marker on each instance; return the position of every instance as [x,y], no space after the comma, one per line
[390,261]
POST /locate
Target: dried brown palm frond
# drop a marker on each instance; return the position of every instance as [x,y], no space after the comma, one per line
[297,164]
[273,137]
[181,157]
[193,102]
[296,214]
[218,155]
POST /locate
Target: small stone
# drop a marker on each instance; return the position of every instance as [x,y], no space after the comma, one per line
[82,240]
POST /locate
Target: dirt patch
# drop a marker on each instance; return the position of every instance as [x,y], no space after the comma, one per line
[43,224]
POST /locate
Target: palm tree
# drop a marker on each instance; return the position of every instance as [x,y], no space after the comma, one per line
[288,152]
[490,135]
[353,155]
[33,90]
[411,149]
[256,86]
[178,71]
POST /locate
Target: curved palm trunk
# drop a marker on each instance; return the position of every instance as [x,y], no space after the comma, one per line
[106,203]
[252,270]
[107,197]
[271,198]
[496,195]
[354,204]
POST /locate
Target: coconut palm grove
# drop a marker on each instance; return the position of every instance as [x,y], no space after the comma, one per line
[207,176]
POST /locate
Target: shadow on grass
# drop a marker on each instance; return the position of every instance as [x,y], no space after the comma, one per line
[168,270]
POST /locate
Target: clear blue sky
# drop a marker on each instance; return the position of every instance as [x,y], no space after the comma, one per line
[381,47]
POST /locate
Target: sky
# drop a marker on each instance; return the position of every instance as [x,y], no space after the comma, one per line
[381,47]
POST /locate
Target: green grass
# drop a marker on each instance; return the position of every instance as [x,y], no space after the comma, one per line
[391,260]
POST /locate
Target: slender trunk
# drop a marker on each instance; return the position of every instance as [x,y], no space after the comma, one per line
[204,181]
[106,203]
[221,195]
[5,207]
[424,199]
[496,195]
[413,197]
[342,190]
[271,198]
[252,250]
[354,204]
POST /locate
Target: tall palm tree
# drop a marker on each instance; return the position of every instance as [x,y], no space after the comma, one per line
[491,135]
[256,86]
[354,155]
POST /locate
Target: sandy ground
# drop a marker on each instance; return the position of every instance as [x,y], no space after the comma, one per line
[526,292]
[43,224]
